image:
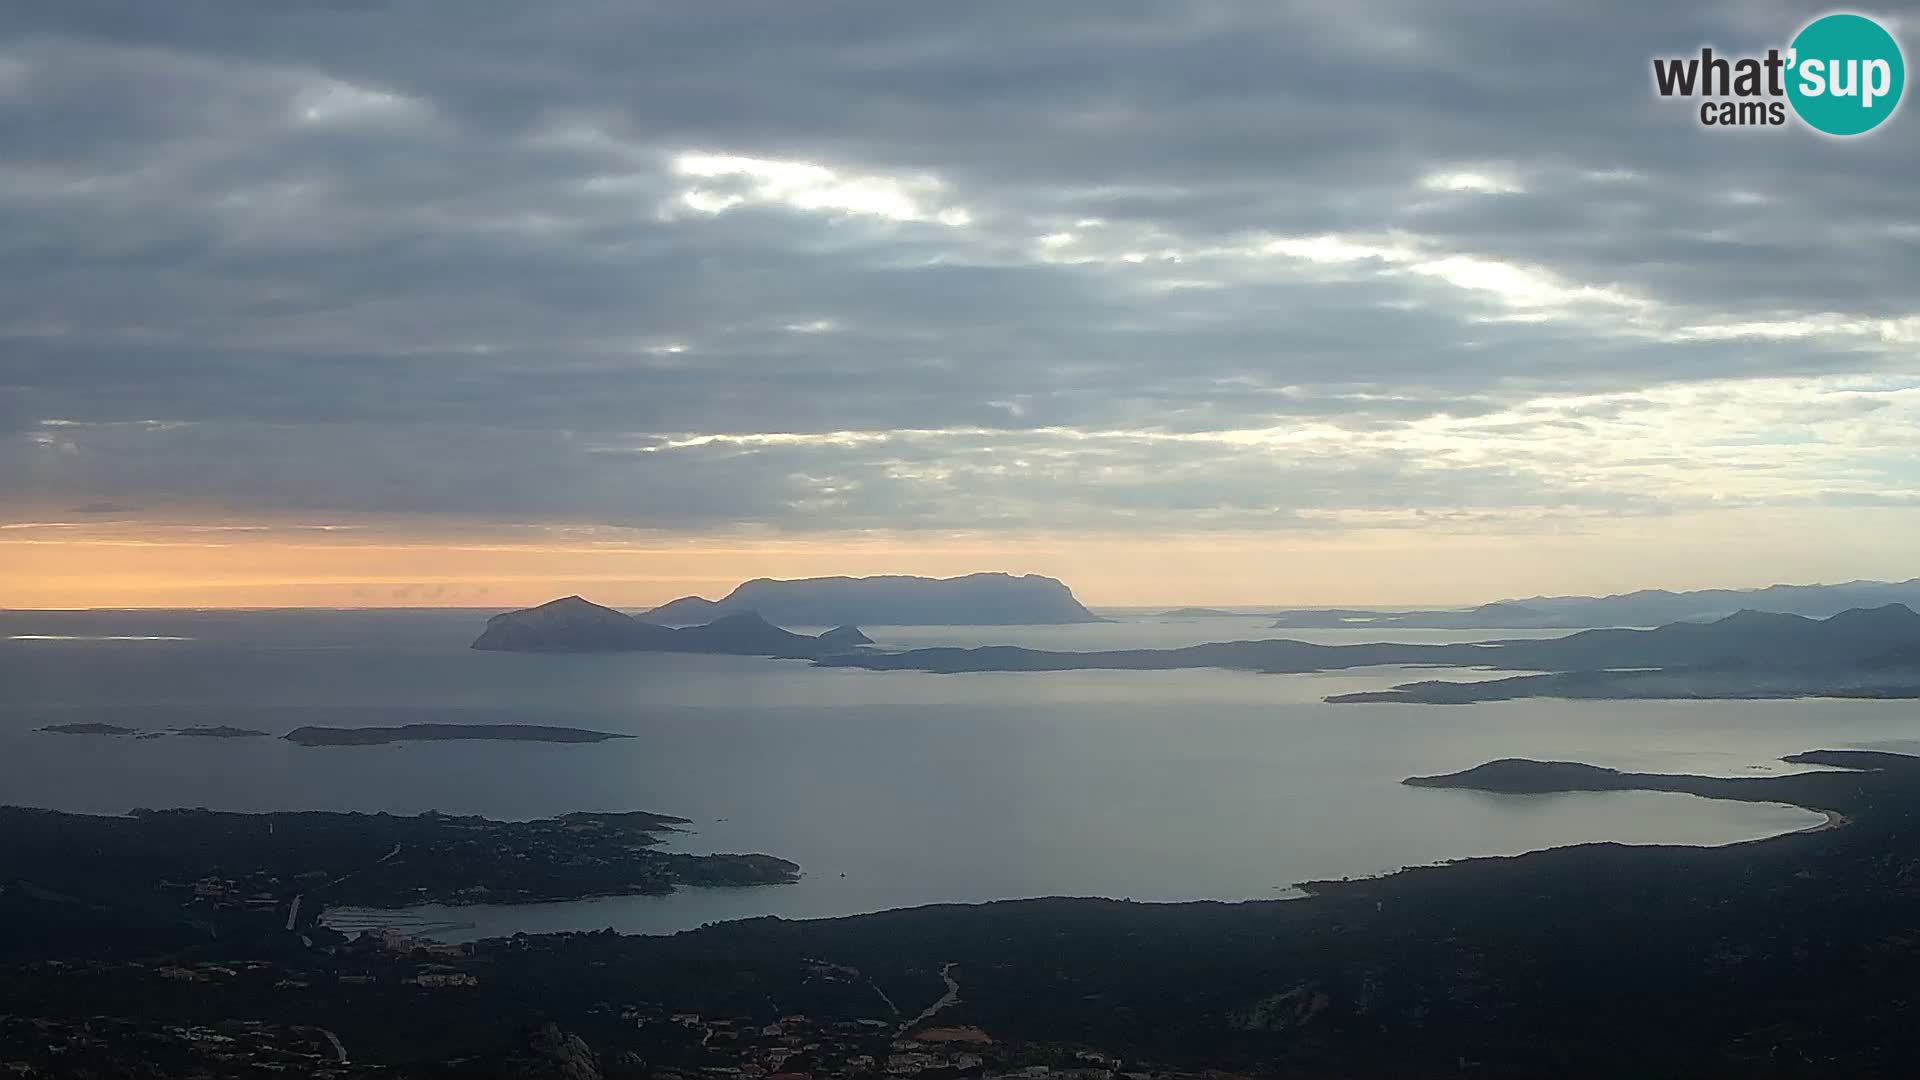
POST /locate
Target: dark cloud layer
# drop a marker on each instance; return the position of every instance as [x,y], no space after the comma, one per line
[869,264]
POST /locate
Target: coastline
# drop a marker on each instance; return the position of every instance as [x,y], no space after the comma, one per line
[1676,783]
[1835,820]
[1287,894]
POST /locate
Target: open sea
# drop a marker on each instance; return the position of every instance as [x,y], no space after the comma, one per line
[890,789]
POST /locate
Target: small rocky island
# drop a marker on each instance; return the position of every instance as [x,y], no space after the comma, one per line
[212,731]
[359,736]
[842,639]
[89,729]
[1838,784]
[1525,776]
[377,736]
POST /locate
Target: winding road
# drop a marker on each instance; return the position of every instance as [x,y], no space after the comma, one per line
[339,1048]
[951,997]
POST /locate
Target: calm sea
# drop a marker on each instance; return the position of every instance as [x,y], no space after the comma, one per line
[890,789]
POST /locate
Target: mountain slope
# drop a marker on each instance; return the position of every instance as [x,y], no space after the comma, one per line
[572,624]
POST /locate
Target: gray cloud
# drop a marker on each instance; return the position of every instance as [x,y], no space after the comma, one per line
[1251,264]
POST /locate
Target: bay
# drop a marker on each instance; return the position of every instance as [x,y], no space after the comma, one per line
[889,788]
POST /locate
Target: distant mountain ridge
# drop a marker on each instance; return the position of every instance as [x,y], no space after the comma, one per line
[1645,607]
[1654,606]
[1856,636]
[1864,652]
[573,624]
[892,600]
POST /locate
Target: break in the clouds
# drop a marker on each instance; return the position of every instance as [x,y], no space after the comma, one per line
[829,265]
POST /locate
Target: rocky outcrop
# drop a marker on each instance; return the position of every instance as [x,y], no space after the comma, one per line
[843,639]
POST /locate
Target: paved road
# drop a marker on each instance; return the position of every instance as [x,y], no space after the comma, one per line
[951,997]
[376,862]
[339,1048]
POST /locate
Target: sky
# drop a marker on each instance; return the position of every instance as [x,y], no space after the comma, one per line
[1314,302]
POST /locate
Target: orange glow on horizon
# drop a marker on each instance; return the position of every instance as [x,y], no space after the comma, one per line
[130,564]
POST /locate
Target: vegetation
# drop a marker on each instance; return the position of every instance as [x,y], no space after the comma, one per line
[1794,956]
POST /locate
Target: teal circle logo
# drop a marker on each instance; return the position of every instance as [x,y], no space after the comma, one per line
[1845,74]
